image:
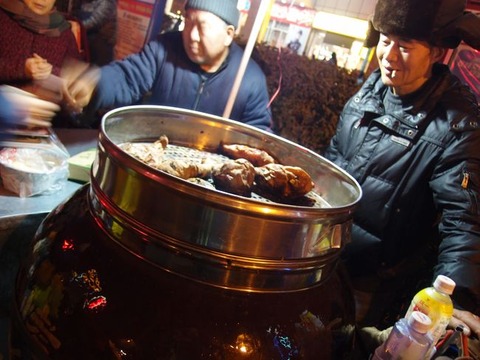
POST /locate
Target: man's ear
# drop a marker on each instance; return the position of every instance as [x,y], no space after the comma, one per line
[438,53]
[230,35]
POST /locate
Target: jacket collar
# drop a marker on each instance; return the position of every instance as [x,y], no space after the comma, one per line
[413,117]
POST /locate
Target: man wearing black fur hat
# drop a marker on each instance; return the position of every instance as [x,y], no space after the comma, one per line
[193,69]
[411,137]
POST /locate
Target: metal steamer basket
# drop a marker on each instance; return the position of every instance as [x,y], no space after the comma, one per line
[240,242]
[143,263]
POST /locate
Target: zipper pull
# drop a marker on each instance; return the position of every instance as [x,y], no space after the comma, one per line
[466,177]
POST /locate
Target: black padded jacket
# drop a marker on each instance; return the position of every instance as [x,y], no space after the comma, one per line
[419,169]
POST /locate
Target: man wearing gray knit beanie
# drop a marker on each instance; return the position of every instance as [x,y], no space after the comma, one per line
[192,69]
[209,31]
[225,9]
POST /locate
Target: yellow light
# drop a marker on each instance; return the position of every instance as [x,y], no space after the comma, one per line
[343,25]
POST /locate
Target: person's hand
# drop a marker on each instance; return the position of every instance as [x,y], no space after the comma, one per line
[27,108]
[37,68]
[80,81]
[470,322]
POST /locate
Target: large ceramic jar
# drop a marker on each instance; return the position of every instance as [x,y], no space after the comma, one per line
[139,264]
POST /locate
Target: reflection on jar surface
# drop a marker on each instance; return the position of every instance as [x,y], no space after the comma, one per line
[83,296]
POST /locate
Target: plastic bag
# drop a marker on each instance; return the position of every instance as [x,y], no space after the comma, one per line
[28,171]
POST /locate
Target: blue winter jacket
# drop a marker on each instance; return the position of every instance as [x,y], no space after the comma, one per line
[163,69]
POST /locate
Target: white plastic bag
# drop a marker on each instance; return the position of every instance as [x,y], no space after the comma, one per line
[33,171]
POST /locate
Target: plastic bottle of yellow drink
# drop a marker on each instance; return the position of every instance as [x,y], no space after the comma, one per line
[435,302]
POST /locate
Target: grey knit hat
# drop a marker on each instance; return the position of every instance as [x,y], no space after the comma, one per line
[225,9]
[443,23]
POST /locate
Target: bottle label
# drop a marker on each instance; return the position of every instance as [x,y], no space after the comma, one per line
[440,320]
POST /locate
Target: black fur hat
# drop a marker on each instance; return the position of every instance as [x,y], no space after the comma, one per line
[443,23]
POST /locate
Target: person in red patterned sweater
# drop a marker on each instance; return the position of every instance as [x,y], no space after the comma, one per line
[35,40]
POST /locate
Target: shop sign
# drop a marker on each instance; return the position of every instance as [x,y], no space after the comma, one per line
[135,20]
[292,14]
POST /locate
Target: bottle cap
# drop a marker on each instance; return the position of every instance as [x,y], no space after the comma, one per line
[444,284]
[419,322]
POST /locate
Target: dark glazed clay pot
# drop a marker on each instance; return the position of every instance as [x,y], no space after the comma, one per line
[105,280]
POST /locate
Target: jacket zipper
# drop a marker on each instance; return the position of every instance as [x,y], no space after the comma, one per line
[465,185]
[200,91]
[466,177]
